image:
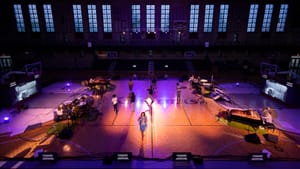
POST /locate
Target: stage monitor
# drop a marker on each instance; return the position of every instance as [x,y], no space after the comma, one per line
[25,90]
[275,90]
[257,157]
[48,156]
[123,156]
[181,156]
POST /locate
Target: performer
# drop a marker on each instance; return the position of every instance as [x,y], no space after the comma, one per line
[130,84]
[150,91]
[178,92]
[114,101]
[142,123]
[132,101]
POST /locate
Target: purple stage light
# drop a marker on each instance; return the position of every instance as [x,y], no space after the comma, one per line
[68,84]
[164,104]
[138,104]
[6,119]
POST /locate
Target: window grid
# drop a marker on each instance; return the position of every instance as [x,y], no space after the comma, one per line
[106,13]
[77,13]
[19,18]
[223,17]
[208,18]
[267,18]
[194,15]
[252,18]
[150,18]
[35,26]
[165,18]
[282,17]
[48,18]
[92,14]
[136,18]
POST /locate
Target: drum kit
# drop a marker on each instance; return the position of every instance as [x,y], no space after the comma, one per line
[73,109]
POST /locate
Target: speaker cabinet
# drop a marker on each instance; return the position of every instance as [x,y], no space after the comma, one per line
[107,160]
[197,159]
[252,138]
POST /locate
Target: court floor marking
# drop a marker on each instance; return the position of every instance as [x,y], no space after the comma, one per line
[2,163]
[17,165]
[226,146]
[187,116]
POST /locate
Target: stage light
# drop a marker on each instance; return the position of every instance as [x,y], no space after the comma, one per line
[66,148]
[126,103]
[6,119]
[138,104]
[164,104]
[68,84]
[166,66]
[206,44]
[89,44]
[134,66]
[176,103]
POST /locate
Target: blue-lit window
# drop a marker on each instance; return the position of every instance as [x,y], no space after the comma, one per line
[223,17]
[19,18]
[194,15]
[48,18]
[150,18]
[252,18]
[106,13]
[282,17]
[267,18]
[165,18]
[92,14]
[208,18]
[77,13]
[34,19]
[136,18]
